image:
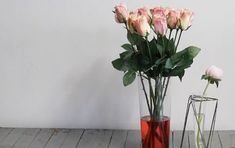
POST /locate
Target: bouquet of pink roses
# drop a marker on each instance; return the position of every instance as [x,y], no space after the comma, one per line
[152,51]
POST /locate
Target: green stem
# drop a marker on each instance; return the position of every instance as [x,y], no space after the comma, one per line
[176,35]
[200,117]
[181,31]
[150,55]
[145,93]
[151,94]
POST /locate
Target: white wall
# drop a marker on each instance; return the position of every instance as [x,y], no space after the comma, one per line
[55,66]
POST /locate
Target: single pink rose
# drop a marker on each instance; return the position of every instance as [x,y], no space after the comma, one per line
[133,16]
[145,12]
[186,18]
[142,26]
[121,13]
[214,72]
[173,19]
[159,11]
[160,24]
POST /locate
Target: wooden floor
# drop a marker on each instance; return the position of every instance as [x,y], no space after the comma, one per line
[79,138]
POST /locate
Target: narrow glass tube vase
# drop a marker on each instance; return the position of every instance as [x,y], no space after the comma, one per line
[154,113]
[204,111]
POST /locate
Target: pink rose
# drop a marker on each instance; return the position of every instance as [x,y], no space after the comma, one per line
[142,26]
[186,18]
[133,16]
[160,24]
[173,19]
[214,72]
[160,11]
[145,12]
[121,13]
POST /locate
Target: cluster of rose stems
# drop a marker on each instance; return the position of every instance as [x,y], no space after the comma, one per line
[156,96]
[200,116]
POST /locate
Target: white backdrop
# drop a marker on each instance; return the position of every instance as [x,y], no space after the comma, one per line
[55,68]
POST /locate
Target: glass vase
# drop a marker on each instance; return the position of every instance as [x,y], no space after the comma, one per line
[199,124]
[154,114]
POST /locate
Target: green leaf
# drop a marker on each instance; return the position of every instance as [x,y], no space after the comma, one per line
[134,38]
[119,65]
[126,55]
[204,77]
[217,83]
[168,64]
[127,47]
[189,52]
[129,77]
[161,49]
[193,51]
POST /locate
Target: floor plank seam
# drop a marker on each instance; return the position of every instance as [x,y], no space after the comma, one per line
[65,138]
[7,134]
[80,138]
[18,139]
[35,137]
[221,144]
[54,131]
[126,139]
[188,140]
[110,138]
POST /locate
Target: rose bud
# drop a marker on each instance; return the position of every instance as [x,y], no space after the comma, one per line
[186,18]
[133,16]
[172,19]
[160,24]
[214,73]
[142,26]
[159,11]
[145,12]
[121,13]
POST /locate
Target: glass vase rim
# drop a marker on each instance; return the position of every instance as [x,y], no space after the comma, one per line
[201,98]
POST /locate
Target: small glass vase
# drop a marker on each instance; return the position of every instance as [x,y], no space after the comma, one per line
[199,128]
[155,127]
[204,111]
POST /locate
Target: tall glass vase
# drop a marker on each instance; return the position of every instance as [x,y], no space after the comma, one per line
[154,112]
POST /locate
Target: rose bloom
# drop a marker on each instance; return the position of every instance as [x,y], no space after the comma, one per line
[133,16]
[173,19]
[142,26]
[145,12]
[214,72]
[121,13]
[160,24]
[159,11]
[186,18]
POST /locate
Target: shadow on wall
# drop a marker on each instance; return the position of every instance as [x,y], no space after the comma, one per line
[91,100]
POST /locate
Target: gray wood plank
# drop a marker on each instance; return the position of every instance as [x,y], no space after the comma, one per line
[26,138]
[95,139]
[4,132]
[191,139]
[12,138]
[215,140]
[177,136]
[171,140]
[42,138]
[58,138]
[133,139]
[118,139]
[73,138]
[227,138]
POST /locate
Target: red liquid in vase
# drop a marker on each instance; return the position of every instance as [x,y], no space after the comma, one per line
[155,134]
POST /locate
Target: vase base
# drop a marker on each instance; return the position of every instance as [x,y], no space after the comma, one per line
[155,133]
